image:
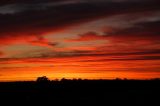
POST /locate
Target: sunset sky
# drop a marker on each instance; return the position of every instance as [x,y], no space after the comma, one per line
[93,39]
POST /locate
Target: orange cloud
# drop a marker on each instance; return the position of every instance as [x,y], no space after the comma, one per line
[76,67]
[90,36]
[1,53]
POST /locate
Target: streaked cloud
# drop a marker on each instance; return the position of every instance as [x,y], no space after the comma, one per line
[80,36]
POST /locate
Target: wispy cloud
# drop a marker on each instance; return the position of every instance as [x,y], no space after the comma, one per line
[101,34]
[36,21]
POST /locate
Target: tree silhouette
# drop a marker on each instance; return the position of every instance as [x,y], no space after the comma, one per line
[42,79]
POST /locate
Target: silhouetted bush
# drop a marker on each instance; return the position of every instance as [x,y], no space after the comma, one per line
[43,79]
[63,79]
[118,79]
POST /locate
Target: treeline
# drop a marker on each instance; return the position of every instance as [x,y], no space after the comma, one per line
[46,79]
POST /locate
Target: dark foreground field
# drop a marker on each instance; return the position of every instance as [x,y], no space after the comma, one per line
[81,92]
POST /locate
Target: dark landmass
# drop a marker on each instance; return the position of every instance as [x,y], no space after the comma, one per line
[81,92]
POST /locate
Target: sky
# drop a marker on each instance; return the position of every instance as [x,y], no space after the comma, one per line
[88,39]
